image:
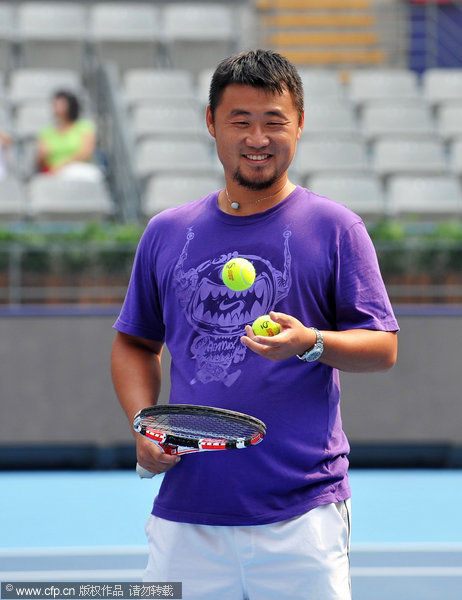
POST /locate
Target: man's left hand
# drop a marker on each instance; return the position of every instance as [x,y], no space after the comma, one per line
[294,338]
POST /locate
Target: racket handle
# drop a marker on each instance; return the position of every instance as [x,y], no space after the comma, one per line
[144,473]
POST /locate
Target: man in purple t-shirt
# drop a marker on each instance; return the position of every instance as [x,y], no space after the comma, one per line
[273,521]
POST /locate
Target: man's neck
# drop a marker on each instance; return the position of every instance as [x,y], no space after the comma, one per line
[240,201]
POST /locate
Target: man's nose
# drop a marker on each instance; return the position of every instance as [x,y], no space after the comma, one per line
[257,138]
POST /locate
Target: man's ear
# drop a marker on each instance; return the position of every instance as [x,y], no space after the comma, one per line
[209,121]
[301,124]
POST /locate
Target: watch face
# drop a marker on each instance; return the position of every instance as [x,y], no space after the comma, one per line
[315,354]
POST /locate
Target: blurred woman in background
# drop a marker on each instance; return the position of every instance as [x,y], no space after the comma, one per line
[67,147]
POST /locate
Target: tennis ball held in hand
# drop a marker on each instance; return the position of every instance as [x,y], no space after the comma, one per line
[265,326]
[238,274]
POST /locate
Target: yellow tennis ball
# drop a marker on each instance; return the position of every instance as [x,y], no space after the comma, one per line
[265,326]
[238,274]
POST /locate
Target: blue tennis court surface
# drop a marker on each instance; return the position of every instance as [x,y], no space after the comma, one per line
[89,526]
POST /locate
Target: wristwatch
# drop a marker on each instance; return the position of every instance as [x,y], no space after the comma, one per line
[316,351]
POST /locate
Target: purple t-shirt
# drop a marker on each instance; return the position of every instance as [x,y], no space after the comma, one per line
[315,261]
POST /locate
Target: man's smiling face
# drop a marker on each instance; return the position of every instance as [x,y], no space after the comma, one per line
[256,134]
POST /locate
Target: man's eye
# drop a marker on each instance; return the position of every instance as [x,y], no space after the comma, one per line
[275,124]
[243,123]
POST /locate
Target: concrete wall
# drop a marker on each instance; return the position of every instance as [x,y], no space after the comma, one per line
[55,384]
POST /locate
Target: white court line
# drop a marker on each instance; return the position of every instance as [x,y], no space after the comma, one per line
[74,551]
[83,575]
[136,574]
[407,547]
[406,572]
[142,550]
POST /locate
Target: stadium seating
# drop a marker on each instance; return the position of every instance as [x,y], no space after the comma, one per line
[442,85]
[404,156]
[393,118]
[126,33]
[52,34]
[31,119]
[363,194]
[334,155]
[449,120]
[154,157]
[330,117]
[166,86]
[12,200]
[181,123]
[196,35]
[6,124]
[320,84]
[382,84]
[54,198]
[456,157]
[204,79]
[425,197]
[362,126]
[166,192]
[39,84]
[7,32]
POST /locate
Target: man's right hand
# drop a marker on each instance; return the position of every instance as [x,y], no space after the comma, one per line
[151,457]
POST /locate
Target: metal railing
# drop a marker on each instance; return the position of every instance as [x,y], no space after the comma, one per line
[115,141]
[66,272]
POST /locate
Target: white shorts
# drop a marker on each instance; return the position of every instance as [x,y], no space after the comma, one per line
[304,558]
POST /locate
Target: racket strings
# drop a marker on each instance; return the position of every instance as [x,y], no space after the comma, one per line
[197,427]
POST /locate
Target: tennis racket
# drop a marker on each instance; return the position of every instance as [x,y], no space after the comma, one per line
[186,428]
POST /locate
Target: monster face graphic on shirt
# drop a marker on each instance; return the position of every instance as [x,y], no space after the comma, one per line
[219,315]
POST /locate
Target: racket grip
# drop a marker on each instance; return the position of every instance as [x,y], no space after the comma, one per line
[144,473]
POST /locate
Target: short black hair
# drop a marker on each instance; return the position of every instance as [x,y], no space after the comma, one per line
[73,104]
[263,69]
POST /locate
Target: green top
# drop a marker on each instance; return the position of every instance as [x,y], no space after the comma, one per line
[64,144]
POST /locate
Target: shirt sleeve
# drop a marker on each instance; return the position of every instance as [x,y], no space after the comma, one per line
[141,313]
[361,299]
[86,126]
[44,134]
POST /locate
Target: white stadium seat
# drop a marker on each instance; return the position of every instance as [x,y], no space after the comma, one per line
[198,35]
[126,33]
[52,34]
[5,119]
[54,198]
[166,86]
[168,122]
[320,84]
[330,117]
[330,155]
[12,201]
[204,80]
[425,196]
[164,192]
[40,84]
[400,156]
[387,84]
[449,120]
[164,156]
[456,157]
[31,119]
[392,118]
[7,35]
[441,85]
[363,194]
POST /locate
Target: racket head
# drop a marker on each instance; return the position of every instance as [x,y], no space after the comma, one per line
[198,428]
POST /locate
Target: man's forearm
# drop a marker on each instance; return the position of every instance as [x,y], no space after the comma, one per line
[355,350]
[360,350]
[136,372]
